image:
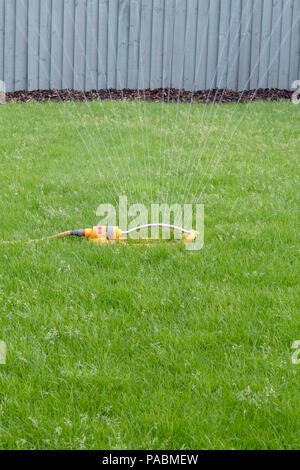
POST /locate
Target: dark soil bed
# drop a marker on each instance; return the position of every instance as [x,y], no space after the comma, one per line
[154,94]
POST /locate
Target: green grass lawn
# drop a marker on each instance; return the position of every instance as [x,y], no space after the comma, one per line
[159,348]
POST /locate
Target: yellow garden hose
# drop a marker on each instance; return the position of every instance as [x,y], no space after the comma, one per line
[36,240]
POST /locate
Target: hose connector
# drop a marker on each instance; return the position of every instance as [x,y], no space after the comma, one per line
[77,233]
[102,234]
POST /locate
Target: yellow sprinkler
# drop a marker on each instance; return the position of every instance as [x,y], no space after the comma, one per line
[107,234]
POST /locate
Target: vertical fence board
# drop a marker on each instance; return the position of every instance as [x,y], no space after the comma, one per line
[179,44]
[33,44]
[56,44]
[233,58]
[202,45]
[145,44]
[45,44]
[255,43]
[123,39]
[79,45]
[295,45]
[2,28]
[133,47]
[9,44]
[275,45]
[265,44]
[245,46]
[113,10]
[21,39]
[213,44]
[224,32]
[168,42]
[91,79]
[190,49]
[284,56]
[68,43]
[297,8]
[102,43]
[157,44]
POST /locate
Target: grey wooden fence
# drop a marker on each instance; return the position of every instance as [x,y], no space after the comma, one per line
[191,44]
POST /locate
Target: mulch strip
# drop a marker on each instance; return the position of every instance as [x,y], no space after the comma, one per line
[153,94]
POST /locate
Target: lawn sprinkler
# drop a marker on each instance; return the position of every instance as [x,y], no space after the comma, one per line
[107,234]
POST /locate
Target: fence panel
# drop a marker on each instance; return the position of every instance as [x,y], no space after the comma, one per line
[190,44]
